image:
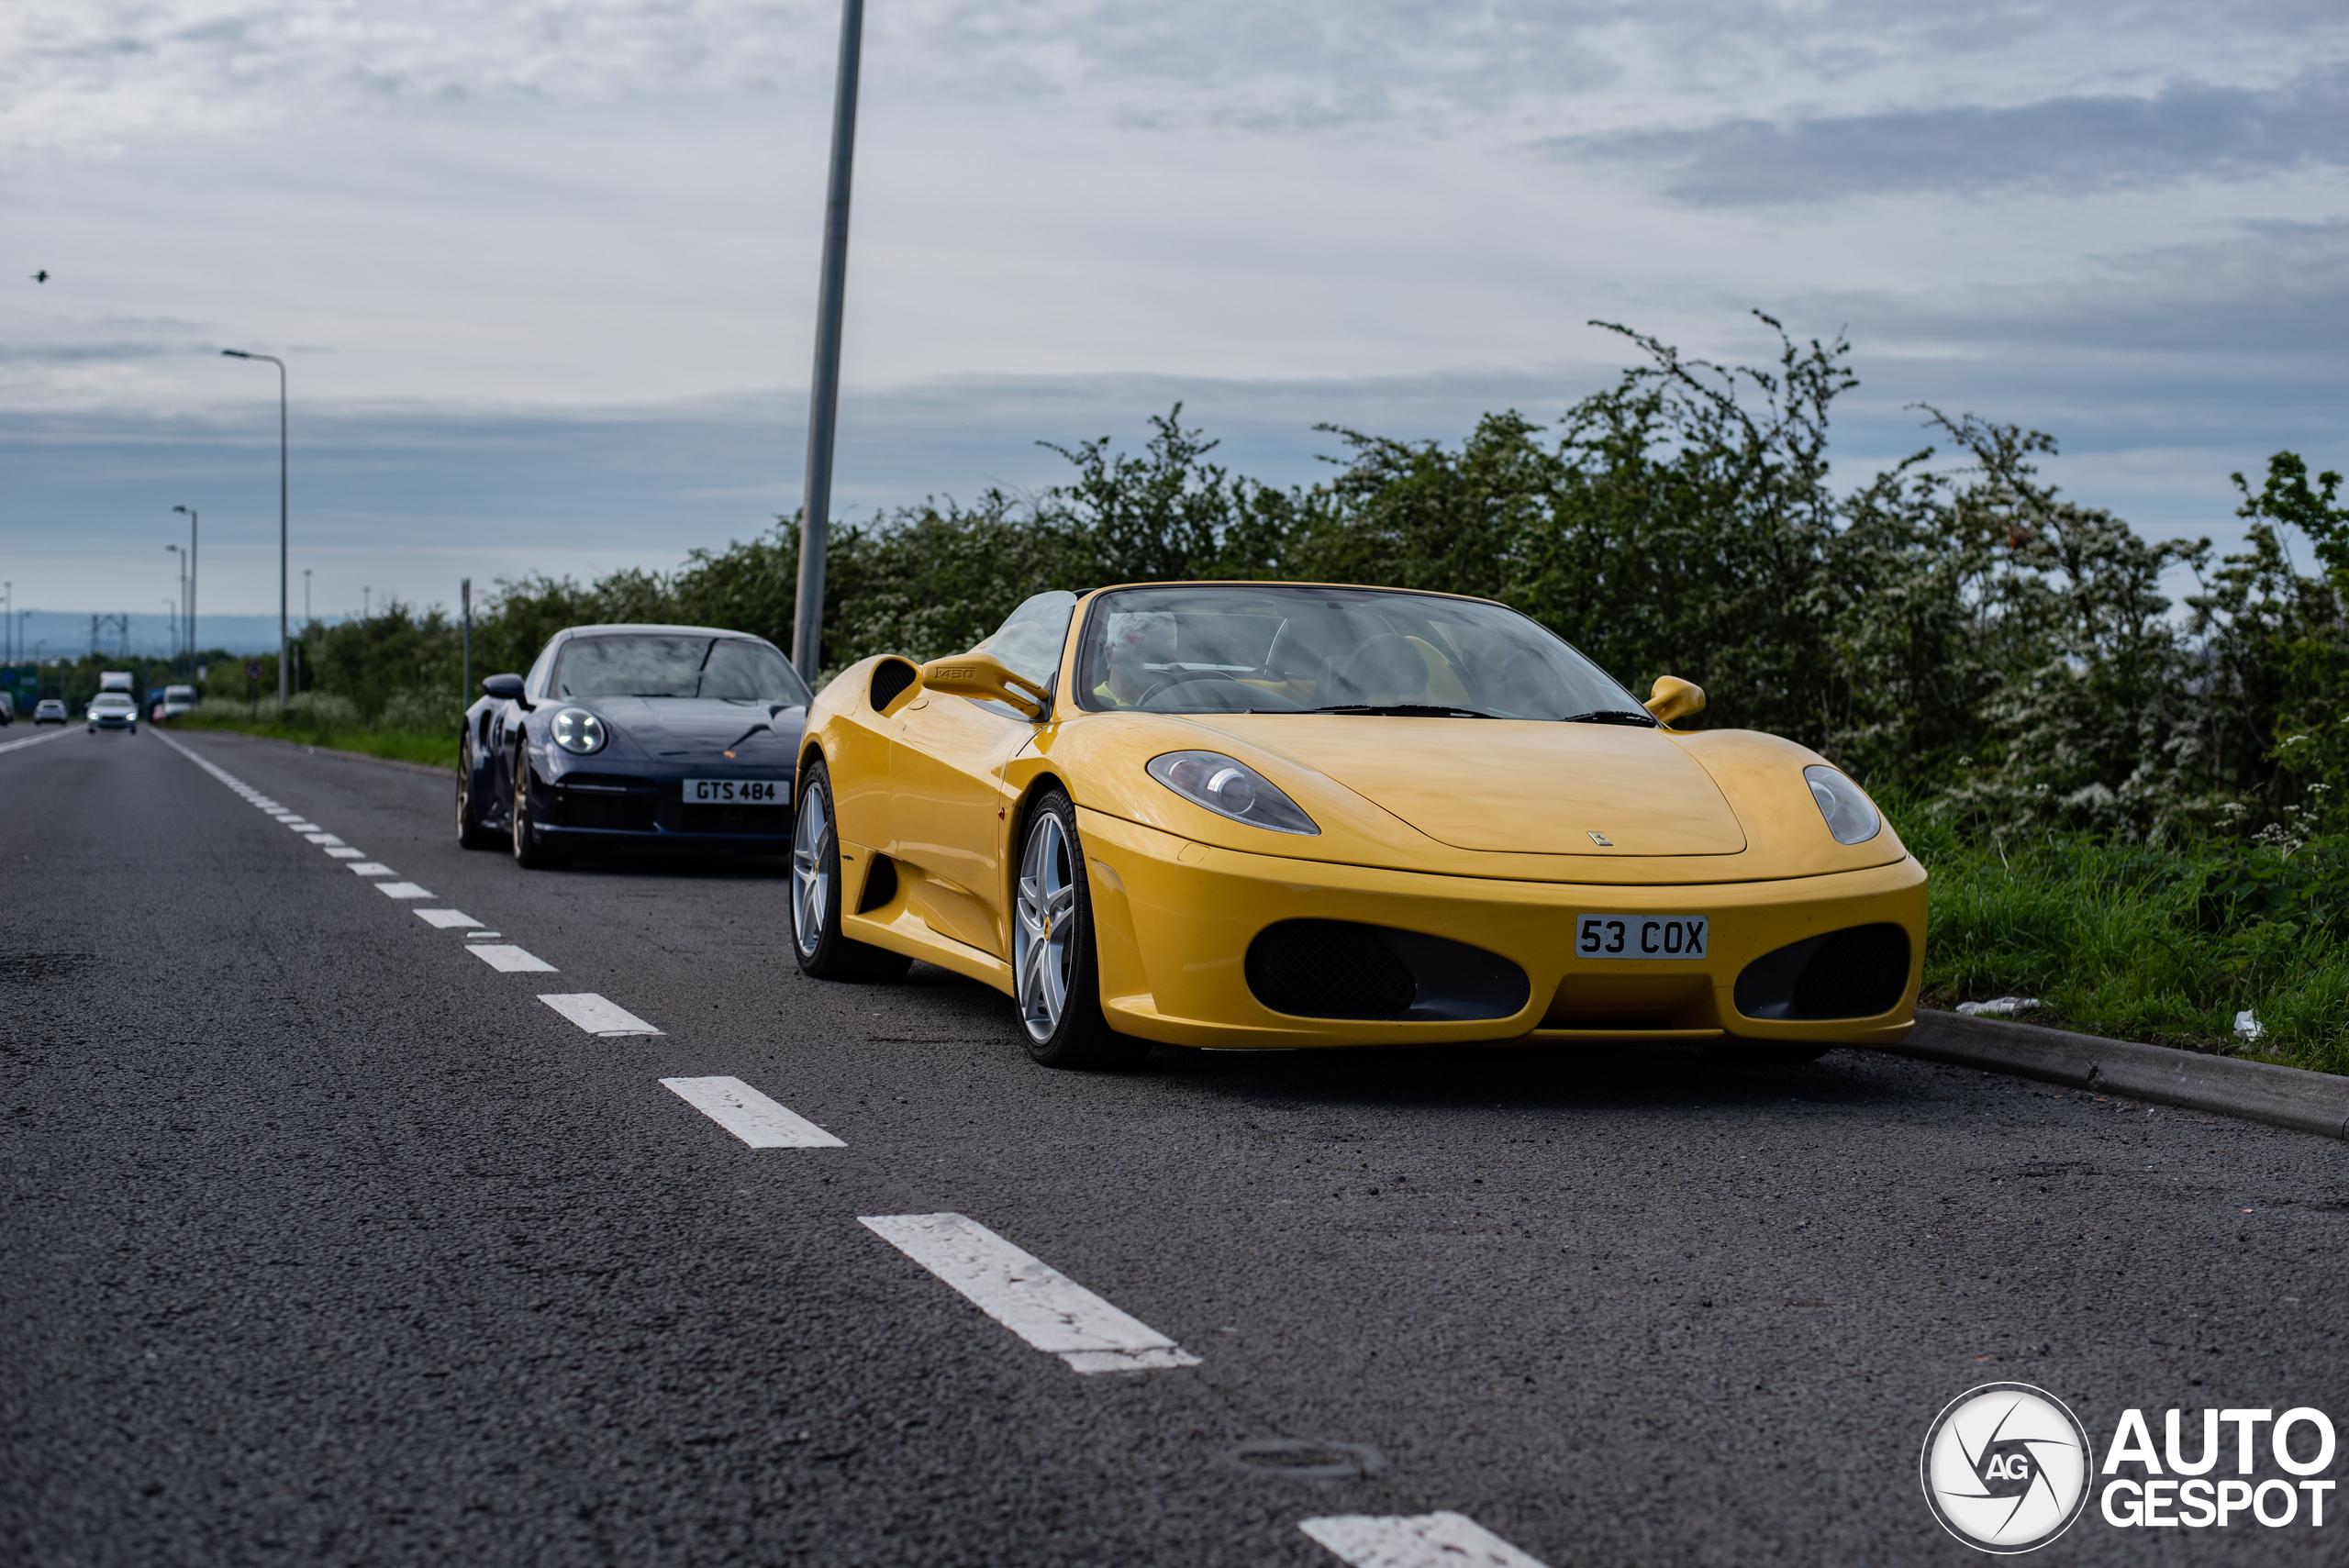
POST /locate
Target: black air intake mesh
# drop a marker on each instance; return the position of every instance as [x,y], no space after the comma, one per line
[1855,974]
[890,677]
[1329,968]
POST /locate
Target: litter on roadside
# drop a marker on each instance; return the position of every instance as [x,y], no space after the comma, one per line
[2001,1008]
[2248,1028]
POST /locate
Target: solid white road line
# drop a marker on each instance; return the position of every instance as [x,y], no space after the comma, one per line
[1031,1298]
[344,851]
[596,1016]
[32,740]
[507,959]
[324,839]
[370,868]
[1420,1541]
[749,1114]
[446,919]
[399,889]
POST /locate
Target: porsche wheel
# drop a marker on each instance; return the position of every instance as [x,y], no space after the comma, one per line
[531,852]
[1058,984]
[471,834]
[816,940]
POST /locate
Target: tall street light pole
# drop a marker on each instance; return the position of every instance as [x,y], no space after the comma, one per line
[283,574]
[191,577]
[824,402]
[180,646]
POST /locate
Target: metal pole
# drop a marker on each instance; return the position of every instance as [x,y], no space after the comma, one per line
[465,597]
[283,557]
[823,404]
[191,577]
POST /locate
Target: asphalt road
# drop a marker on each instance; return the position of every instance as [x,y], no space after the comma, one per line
[327,1243]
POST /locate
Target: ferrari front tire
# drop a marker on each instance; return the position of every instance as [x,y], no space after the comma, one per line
[1057,980]
[816,940]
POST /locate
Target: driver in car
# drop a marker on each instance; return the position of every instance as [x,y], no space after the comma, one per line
[1131,644]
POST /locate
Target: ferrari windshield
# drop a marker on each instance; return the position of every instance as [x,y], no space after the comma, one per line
[1238,648]
[669,664]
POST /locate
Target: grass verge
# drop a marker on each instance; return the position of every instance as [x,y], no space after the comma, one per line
[399,745]
[2163,945]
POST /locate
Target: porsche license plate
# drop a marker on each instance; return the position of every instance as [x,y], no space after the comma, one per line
[1639,936]
[734,792]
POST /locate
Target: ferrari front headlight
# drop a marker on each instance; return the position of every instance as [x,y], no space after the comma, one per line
[578,732]
[1230,788]
[1852,817]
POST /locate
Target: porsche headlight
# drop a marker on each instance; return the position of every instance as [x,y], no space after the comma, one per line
[578,732]
[1851,818]
[1230,788]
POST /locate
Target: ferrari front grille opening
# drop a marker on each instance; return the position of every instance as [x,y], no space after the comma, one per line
[1856,972]
[1341,969]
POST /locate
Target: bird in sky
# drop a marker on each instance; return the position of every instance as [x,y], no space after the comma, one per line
[42,276]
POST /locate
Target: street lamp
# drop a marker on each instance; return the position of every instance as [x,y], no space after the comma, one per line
[281,559]
[180,646]
[191,578]
[824,398]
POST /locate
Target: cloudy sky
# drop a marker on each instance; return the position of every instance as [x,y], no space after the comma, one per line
[545,271]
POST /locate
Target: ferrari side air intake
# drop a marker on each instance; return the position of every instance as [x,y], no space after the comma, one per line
[1852,973]
[1339,969]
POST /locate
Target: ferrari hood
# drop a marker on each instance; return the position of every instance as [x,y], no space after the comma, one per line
[692,727]
[1525,789]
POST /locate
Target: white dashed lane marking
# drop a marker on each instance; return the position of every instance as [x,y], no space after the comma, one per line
[446,919]
[400,890]
[507,959]
[751,1116]
[324,839]
[370,868]
[1028,1297]
[596,1016]
[304,826]
[344,851]
[1418,1540]
[32,740]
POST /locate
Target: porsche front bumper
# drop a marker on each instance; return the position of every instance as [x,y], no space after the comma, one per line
[1173,920]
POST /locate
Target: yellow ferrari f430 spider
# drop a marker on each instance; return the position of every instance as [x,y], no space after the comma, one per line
[1258,814]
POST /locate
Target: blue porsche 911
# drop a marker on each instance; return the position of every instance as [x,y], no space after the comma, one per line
[674,737]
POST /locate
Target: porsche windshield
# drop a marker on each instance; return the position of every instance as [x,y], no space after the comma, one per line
[648,664]
[1239,648]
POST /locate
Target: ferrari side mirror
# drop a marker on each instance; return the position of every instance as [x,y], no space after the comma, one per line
[1674,698]
[507,687]
[988,678]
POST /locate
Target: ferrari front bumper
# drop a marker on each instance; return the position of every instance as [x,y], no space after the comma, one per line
[1173,920]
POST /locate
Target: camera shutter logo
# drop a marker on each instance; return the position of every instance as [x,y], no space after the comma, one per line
[2006,1467]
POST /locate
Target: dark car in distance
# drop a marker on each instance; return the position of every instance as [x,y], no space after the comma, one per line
[670,737]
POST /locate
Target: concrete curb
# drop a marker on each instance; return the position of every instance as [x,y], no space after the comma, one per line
[2256,1091]
[329,751]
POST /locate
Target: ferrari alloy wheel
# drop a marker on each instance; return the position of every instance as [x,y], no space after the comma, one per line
[815,869]
[530,851]
[1056,981]
[471,834]
[816,940]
